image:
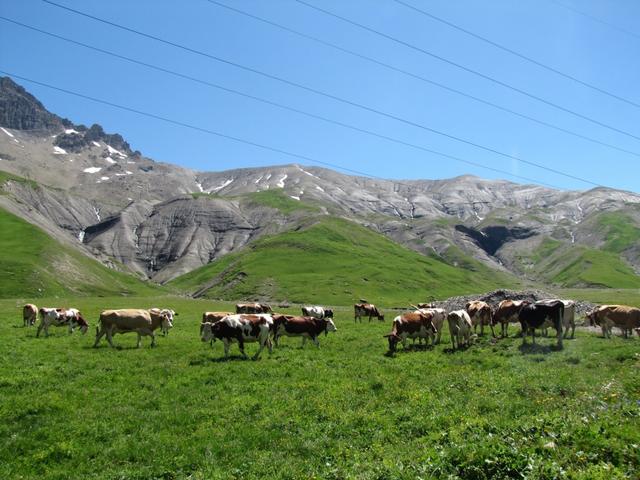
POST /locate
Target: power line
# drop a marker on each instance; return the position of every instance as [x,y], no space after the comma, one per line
[596,19]
[241,140]
[517,54]
[423,79]
[328,95]
[462,67]
[270,102]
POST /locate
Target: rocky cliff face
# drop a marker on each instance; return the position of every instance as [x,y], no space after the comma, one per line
[162,220]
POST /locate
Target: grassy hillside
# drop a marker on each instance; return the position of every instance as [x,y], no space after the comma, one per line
[344,410]
[620,231]
[570,265]
[336,261]
[34,265]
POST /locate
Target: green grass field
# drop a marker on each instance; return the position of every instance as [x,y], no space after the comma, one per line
[344,410]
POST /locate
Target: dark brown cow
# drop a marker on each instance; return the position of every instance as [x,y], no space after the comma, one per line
[417,324]
[507,312]
[305,327]
[253,308]
[535,315]
[480,314]
[366,310]
[241,329]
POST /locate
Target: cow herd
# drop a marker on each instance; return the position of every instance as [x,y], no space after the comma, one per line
[256,322]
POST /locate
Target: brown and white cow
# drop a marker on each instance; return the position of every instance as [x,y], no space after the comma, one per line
[506,313]
[305,327]
[29,314]
[317,312]
[439,316]
[366,310]
[143,322]
[170,313]
[61,317]
[459,328]
[240,328]
[608,316]
[568,321]
[253,308]
[480,314]
[416,324]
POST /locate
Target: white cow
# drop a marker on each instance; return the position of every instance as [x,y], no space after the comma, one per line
[60,317]
[568,320]
[169,313]
[439,316]
[460,327]
[240,328]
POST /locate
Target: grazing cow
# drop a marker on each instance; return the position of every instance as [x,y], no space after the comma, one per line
[507,312]
[317,312]
[170,313]
[411,325]
[61,317]
[608,316]
[480,314]
[535,315]
[568,321]
[305,327]
[439,316]
[240,328]
[29,314]
[143,322]
[459,328]
[253,308]
[366,310]
[425,305]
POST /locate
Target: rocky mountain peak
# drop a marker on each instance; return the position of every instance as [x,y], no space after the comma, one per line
[20,110]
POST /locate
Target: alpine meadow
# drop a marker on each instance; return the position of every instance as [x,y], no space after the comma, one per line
[312,239]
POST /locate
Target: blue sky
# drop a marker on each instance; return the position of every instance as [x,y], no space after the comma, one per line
[540,29]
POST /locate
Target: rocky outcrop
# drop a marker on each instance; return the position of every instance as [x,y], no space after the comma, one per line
[22,111]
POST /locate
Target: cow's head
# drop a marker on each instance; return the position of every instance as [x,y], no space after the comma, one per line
[207,332]
[329,326]
[79,321]
[393,341]
[166,319]
[591,318]
[328,313]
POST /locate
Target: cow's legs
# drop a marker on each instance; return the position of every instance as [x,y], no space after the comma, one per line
[257,355]
[304,341]
[315,341]
[99,334]
[110,337]
[226,347]
[139,340]
[41,324]
[241,346]
[153,339]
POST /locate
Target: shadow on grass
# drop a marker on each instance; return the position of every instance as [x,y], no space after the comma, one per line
[536,348]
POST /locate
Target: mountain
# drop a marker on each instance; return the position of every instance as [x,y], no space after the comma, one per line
[90,190]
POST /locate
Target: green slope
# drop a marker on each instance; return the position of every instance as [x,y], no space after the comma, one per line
[335,261]
[32,264]
[620,231]
[579,266]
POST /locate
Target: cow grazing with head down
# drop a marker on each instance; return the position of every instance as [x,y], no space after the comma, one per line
[305,327]
[29,314]
[459,328]
[506,313]
[170,313]
[61,317]
[143,322]
[317,312]
[253,308]
[366,310]
[411,325]
[622,316]
[480,314]
[240,328]
[536,315]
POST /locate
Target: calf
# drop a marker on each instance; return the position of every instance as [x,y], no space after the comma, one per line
[240,328]
[535,315]
[61,317]
[366,310]
[608,316]
[507,312]
[29,314]
[317,312]
[411,325]
[305,327]
[459,328]
[480,314]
